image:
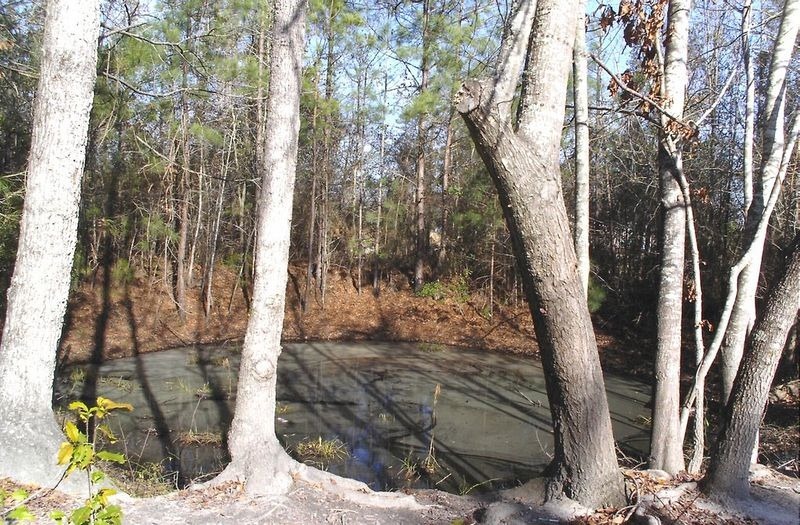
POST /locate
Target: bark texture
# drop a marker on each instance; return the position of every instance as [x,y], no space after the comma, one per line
[524,167]
[580,95]
[744,311]
[728,474]
[37,298]
[257,458]
[666,447]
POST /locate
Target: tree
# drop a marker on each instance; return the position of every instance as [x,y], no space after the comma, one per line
[524,165]
[666,447]
[257,456]
[728,473]
[776,152]
[37,298]
[744,310]
[580,96]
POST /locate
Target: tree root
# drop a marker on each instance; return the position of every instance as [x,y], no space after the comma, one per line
[281,472]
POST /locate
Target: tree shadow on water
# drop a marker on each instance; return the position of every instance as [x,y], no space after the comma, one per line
[162,429]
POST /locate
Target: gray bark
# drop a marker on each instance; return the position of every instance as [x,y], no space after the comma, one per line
[743,314]
[524,167]
[666,447]
[257,458]
[37,298]
[580,94]
[728,474]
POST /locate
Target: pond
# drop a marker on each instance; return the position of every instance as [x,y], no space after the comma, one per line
[389,414]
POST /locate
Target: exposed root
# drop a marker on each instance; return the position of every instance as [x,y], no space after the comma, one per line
[352,490]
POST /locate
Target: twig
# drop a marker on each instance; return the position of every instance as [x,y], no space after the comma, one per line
[633,92]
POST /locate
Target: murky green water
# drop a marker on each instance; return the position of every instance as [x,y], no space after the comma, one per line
[406,414]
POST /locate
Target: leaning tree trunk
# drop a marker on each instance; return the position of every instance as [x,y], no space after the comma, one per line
[524,167]
[37,298]
[257,457]
[744,310]
[728,473]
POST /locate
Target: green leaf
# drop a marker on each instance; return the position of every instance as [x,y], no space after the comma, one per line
[103,495]
[21,514]
[81,515]
[111,456]
[19,495]
[58,516]
[111,515]
[82,457]
[98,475]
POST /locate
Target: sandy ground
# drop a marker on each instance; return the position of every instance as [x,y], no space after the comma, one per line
[655,499]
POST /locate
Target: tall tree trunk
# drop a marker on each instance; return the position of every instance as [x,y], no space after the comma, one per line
[728,473]
[312,211]
[666,447]
[447,168]
[323,263]
[525,169]
[183,221]
[37,298]
[749,108]
[580,95]
[421,250]
[744,310]
[257,457]
[376,275]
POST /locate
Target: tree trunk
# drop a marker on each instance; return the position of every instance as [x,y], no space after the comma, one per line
[580,94]
[183,222]
[323,246]
[728,474]
[525,169]
[37,298]
[743,314]
[447,168]
[749,108]
[312,211]
[666,447]
[421,234]
[257,458]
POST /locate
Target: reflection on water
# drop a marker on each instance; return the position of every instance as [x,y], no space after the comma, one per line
[407,414]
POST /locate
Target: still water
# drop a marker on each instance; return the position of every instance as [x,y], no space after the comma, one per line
[402,414]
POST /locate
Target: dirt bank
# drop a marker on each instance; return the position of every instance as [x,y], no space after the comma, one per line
[107,321]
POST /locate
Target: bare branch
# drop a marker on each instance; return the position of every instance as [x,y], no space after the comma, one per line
[633,92]
[153,94]
[722,92]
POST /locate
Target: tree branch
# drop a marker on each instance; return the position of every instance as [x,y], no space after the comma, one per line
[635,93]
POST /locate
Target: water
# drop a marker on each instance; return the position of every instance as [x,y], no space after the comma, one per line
[406,414]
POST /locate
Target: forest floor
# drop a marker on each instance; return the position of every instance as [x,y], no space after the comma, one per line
[109,320]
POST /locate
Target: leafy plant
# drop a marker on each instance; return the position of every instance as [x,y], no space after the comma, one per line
[596,295]
[80,452]
[13,505]
[434,289]
[122,272]
[457,289]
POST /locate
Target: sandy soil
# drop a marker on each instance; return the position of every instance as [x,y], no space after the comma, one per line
[114,321]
